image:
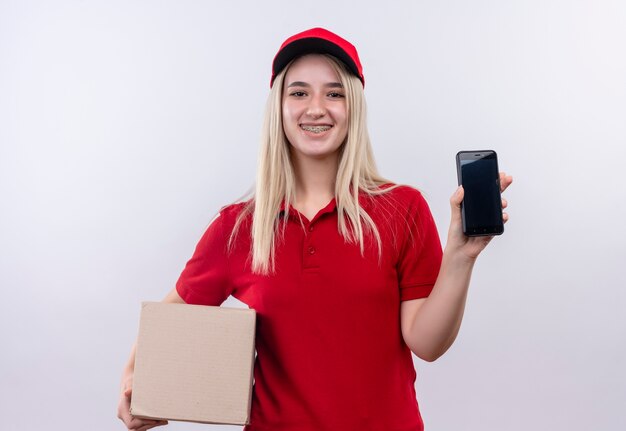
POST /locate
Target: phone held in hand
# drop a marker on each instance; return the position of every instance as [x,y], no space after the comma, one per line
[481,209]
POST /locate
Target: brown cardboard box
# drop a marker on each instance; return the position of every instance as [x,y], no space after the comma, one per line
[194,363]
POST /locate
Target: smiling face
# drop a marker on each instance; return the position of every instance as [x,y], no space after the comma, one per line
[314,110]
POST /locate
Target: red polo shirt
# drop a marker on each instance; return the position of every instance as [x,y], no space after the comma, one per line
[330,352]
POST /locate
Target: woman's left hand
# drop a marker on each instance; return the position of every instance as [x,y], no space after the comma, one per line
[470,246]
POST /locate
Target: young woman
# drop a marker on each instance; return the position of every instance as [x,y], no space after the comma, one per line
[344,268]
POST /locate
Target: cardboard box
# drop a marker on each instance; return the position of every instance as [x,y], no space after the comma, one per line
[194,363]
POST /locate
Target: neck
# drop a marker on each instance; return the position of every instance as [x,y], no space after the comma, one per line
[315,178]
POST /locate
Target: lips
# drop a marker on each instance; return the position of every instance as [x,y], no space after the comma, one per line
[315,128]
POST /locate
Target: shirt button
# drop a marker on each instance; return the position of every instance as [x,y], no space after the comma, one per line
[311,250]
[311,228]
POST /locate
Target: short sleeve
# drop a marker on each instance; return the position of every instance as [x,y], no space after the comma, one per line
[420,255]
[205,280]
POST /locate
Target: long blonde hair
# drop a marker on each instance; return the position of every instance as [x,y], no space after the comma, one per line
[276,182]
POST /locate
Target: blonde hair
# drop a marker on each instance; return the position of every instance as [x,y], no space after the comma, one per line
[276,182]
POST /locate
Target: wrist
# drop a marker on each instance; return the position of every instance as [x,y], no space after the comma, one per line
[127,379]
[458,259]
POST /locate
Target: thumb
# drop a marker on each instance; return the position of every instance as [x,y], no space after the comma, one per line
[128,392]
[455,206]
[457,198]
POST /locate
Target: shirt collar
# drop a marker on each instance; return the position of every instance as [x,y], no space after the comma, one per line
[365,200]
[329,208]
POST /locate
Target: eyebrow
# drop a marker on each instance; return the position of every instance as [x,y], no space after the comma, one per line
[304,84]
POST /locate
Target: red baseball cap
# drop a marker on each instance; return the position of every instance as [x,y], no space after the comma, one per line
[317,40]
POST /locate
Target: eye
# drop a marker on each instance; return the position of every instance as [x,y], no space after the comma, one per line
[297,93]
[335,95]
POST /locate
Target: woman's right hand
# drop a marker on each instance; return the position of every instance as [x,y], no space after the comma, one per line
[131,422]
[123,408]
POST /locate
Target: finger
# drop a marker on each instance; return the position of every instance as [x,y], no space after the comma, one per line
[505,203]
[457,198]
[136,423]
[505,181]
[505,217]
[455,205]
[149,426]
[123,410]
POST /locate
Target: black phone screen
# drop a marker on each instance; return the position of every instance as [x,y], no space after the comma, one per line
[481,207]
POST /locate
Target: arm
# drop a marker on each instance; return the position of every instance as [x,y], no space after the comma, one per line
[123,409]
[430,325]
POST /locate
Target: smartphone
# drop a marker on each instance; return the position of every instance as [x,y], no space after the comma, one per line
[481,209]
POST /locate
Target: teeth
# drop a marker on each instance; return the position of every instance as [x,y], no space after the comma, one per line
[315,129]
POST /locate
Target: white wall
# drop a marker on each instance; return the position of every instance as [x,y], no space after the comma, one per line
[125,125]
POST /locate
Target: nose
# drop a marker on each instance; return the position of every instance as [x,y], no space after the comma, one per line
[316,107]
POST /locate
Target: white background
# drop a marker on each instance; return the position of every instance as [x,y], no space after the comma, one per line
[125,126]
